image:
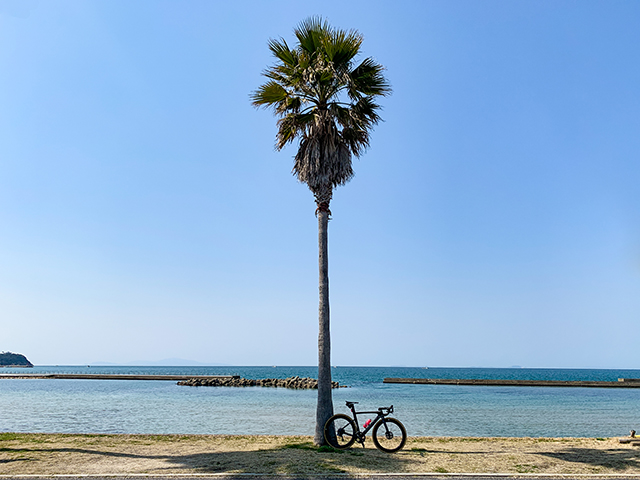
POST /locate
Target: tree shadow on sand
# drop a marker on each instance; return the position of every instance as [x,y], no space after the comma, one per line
[291,458]
[613,458]
[11,460]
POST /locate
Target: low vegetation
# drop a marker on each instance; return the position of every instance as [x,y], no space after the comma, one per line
[9,359]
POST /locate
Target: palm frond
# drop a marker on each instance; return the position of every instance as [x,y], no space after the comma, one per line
[281,51]
[310,33]
[341,46]
[269,94]
[366,110]
[357,139]
[367,79]
[290,127]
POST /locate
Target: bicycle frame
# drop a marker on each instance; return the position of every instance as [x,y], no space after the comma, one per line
[360,434]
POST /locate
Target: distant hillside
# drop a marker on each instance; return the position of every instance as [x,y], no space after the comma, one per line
[8,359]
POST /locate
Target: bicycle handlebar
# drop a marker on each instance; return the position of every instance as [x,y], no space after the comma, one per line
[388,409]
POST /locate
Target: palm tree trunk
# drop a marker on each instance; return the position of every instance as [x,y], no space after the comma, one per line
[325,403]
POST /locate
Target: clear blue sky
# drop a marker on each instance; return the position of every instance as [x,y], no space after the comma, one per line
[495,220]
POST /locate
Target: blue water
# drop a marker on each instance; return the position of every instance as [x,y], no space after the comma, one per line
[125,406]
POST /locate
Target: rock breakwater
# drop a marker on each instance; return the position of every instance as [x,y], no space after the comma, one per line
[296,382]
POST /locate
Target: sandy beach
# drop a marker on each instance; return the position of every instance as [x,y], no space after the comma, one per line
[50,454]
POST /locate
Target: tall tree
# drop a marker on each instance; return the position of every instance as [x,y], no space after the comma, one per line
[326,100]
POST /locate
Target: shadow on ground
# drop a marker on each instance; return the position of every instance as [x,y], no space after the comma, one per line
[292,458]
[613,458]
[11,460]
[298,456]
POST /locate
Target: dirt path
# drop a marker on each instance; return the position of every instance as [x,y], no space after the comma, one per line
[46,454]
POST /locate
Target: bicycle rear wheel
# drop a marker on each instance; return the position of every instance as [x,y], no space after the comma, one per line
[389,435]
[340,431]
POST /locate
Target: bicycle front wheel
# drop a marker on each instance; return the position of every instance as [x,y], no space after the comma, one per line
[389,435]
[340,431]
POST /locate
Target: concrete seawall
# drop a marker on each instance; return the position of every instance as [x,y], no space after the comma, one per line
[82,376]
[621,383]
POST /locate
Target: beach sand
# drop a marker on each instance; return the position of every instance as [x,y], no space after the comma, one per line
[48,454]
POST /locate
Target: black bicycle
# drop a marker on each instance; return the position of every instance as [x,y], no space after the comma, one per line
[389,435]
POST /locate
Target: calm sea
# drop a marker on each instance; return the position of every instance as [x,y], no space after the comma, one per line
[126,406]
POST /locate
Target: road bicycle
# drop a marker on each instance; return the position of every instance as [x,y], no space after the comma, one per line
[389,435]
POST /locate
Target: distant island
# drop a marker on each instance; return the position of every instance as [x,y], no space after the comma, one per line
[8,359]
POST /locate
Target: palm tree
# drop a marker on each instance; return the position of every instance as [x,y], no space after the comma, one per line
[325,100]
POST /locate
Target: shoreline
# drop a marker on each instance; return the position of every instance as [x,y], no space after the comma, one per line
[121,454]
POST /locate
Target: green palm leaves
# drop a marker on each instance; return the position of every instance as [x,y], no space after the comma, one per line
[323,99]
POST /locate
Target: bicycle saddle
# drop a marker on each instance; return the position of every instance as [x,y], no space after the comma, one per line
[351,404]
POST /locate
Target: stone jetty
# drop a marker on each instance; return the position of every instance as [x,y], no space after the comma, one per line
[296,383]
[621,383]
[104,376]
